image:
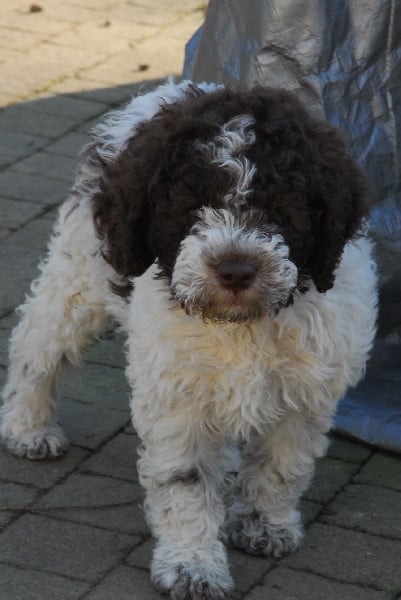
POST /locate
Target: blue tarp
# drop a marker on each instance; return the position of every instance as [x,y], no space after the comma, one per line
[343,59]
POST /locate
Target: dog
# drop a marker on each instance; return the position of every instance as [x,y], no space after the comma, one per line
[225,230]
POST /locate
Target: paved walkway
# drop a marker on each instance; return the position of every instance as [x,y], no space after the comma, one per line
[73,529]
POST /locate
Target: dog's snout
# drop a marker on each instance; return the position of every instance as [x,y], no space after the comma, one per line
[235,274]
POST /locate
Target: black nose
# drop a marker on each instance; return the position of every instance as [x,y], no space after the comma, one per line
[235,274]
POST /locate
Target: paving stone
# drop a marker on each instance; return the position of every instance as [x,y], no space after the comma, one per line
[99,5]
[89,425]
[125,67]
[367,508]
[112,503]
[330,476]
[4,341]
[62,547]
[23,584]
[14,214]
[42,473]
[130,429]
[117,458]
[7,99]
[87,127]
[59,61]
[52,214]
[109,350]
[125,583]
[70,144]
[66,11]
[38,22]
[84,87]
[348,450]
[285,584]
[21,119]
[96,383]
[148,53]
[10,6]
[35,234]
[52,63]
[35,188]
[141,556]
[7,54]
[382,469]
[19,268]
[189,24]
[309,510]
[9,320]
[14,496]
[3,376]
[16,40]
[115,35]
[246,569]
[6,160]
[136,12]
[48,165]
[349,556]
[17,145]
[65,106]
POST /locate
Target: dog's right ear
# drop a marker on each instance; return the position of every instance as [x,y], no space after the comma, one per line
[121,207]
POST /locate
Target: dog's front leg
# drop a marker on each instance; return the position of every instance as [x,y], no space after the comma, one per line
[181,470]
[277,467]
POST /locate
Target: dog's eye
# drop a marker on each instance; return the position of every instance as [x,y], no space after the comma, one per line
[184,201]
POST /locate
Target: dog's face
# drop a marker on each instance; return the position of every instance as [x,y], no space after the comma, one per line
[229,261]
[241,197]
[233,266]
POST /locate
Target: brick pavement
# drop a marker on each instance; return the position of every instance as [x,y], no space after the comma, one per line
[74,529]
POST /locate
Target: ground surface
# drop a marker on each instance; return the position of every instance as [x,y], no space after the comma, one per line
[74,529]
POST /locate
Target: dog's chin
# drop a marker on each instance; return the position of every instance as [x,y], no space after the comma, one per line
[214,303]
[231,312]
[216,317]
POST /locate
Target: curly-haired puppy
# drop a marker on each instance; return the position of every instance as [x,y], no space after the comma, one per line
[224,229]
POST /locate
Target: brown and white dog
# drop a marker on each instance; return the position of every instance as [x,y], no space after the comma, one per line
[224,230]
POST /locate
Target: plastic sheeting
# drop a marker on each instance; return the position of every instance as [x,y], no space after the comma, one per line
[343,60]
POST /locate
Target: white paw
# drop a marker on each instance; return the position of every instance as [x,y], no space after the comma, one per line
[191,582]
[36,444]
[255,534]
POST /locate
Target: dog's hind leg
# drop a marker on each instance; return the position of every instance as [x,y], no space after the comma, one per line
[64,312]
[262,516]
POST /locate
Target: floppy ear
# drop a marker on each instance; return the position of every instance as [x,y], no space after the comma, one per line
[340,200]
[308,185]
[122,206]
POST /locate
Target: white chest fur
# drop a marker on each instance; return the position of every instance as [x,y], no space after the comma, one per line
[239,377]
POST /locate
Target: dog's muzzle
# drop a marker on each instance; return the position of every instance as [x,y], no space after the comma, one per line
[228,271]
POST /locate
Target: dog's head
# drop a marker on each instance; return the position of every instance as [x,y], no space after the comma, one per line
[240,196]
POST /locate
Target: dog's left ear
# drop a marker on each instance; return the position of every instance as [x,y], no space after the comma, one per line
[340,199]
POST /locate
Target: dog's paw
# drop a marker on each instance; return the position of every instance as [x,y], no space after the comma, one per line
[191,583]
[254,534]
[37,444]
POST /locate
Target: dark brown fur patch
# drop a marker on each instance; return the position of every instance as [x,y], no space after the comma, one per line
[305,183]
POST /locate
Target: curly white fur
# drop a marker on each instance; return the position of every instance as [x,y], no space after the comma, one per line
[200,385]
[71,301]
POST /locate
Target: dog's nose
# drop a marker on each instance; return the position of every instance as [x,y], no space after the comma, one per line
[235,274]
